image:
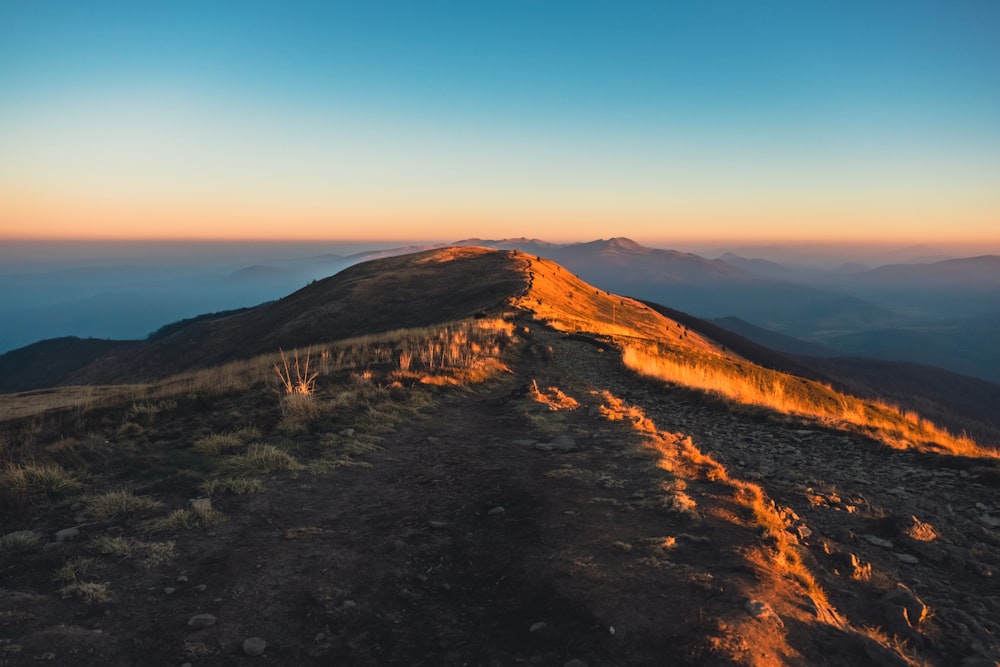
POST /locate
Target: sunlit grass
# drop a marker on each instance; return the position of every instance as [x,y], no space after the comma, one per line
[754,385]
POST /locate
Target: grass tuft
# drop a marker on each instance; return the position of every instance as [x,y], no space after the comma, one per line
[19,542]
[22,484]
[262,459]
[186,518]
[237,486]
[91,592]
[120,504]
[151,554]
[218,442]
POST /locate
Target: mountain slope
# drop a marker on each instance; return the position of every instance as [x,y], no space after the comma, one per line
[393,293]
[502,489]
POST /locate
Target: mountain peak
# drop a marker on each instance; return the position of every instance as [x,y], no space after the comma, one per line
[623,244]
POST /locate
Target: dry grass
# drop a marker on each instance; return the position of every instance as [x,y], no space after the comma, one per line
[232,485]
[553,397]
[300,410]
[18,542]
[304,380]
[466,349]
[90,592]
[119,504]
[260,460]
[218,442]
[186,518]
[25,483]
[149,554]
[749,384]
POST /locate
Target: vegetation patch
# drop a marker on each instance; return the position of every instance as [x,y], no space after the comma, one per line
[186,518]
[236,486]
[260,460]
[148,554]
[19,542]
[119,504]
[218,442]
[25,483]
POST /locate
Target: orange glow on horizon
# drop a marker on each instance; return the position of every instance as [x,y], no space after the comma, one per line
[36,217]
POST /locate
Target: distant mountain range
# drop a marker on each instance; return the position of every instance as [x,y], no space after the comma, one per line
[944,313]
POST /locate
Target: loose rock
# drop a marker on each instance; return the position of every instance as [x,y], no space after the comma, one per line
[200,504]
[877,541]
[67,534]
[762,610]
[201,621]
[254,646]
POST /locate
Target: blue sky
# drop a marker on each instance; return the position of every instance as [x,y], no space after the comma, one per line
[564,120]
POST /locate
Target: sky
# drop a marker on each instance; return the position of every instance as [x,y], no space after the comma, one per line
[819,121]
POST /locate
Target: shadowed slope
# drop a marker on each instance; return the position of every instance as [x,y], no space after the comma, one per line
[393,293]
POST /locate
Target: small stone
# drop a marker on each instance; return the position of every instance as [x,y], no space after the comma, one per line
[803,531]
[349,604]
[169,590]
[254,646]
[496,511]
[200,504]
[991,521]
[347,432]
[762,610]
[67,534]
[906,558]
[877,541]
[201,621]
[537,627]
[201,588]
[560,443]
[182,578]
[437,524]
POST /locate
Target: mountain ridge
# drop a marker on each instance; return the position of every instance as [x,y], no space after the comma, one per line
[546,478]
